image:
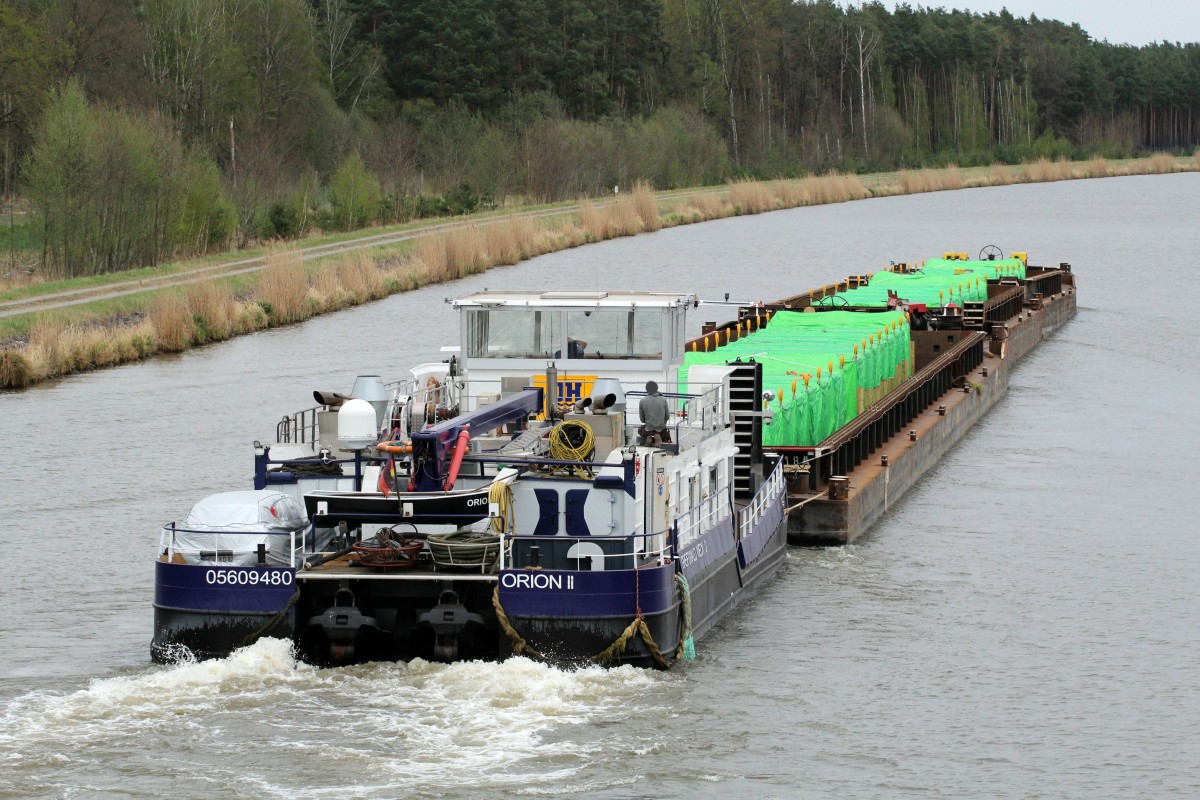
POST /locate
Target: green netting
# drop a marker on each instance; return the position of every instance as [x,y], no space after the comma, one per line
[937,283]
[796,344]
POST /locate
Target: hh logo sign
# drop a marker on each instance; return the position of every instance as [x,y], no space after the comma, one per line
[571,388]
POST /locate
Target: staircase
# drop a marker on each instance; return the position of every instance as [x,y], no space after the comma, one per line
[745,398]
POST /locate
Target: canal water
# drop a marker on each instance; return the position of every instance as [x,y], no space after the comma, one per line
[1025,623]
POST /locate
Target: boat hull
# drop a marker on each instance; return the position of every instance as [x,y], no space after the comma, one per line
[327,509]
[208,611]
[542,607]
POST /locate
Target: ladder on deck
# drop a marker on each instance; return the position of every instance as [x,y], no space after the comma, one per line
[745,395]
[973,315]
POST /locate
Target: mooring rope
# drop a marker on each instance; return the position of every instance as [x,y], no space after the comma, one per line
[638,625]
[687,644]
[271,623]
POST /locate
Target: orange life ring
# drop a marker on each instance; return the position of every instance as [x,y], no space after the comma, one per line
[399,447]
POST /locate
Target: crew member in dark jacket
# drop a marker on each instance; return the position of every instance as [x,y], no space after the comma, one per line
[654,413]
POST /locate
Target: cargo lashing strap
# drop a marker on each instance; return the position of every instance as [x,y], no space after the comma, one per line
[687,647]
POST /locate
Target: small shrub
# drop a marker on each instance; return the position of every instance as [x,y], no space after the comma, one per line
[283,221]
[354,194]
[424,206]
[462,199]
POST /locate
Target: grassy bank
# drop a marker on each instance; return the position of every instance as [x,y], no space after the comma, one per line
[289,290]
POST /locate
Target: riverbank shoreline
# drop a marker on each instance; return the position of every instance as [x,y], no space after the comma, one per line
[138,323]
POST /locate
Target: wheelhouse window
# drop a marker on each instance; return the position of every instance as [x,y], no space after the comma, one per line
[511,333]
[615,333]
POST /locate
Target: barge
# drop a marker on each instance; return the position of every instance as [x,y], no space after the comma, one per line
[512,501]
[967,331]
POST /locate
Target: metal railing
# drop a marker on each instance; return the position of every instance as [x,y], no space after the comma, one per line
[773,491]
[168,546]
[703,517]
[303,426]
[635,548]
[691,415]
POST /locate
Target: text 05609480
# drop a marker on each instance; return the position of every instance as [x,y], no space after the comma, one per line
[248,577]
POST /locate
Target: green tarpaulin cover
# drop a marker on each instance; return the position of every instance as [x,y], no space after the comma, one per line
[796,344]
[938,282]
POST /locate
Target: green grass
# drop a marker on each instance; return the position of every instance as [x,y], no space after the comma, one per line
[98,311]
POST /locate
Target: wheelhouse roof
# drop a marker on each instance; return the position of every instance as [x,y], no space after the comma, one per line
[573,299]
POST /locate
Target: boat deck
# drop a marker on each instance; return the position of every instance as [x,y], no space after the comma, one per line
[348,567]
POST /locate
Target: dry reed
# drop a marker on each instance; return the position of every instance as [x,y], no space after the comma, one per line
[213,309]
[624,217]
[535,240]
[327,291]
[833,188]
[912,182]
[1160,163]
[790,194]
[1096,167]
[464,251]
[1000,175]
[453,254]
[431,258]
[593,222]
[1040,171]
[750,197]
[709,205]
[503,243]
[950,177]
[172,323]
[15,370]
[646,204]
[359,278]
[283,287]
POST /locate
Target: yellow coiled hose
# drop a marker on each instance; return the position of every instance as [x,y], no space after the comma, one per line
[562,448]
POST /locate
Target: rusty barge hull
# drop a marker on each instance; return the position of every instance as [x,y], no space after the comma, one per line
[851,480]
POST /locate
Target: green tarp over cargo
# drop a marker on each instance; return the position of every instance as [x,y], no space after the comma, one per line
[796,344]
[936,284]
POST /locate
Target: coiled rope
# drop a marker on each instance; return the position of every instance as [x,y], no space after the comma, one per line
[687,646]
[464,548]
[500,495]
